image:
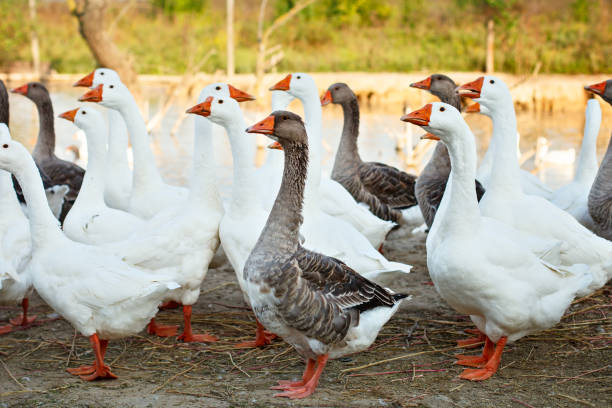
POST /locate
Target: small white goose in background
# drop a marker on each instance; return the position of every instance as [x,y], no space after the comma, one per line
[118,179]
[573,197]
[15,248]
[332,197]
[90,220]
[100,295]
[506,201]
[508,294]
[150,194]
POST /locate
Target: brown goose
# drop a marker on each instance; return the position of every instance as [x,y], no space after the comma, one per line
[432,181]
[316,303]
[59,171]
[55,194]
[600,196]
[385,189]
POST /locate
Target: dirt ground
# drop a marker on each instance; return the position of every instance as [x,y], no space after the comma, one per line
[410,364]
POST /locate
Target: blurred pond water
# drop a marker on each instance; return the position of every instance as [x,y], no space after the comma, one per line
[380,135]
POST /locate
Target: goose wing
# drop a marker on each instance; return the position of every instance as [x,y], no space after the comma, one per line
[390,185]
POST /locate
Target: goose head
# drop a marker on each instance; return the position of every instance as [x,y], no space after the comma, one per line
[5,133]
[437,84]
[338,93]
[85,118]
[220,110]
[603,89]
[110,95]
[13,155]
[98,76]
[298,84]
[35,91]
[283,127]
[223,90]
[439,119]
[488,91]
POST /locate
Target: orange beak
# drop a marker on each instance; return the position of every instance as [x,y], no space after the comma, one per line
[327,98]
[239,95]
[424,84]
[430,136]
[419,117]
[264,127]
[282,85]
[598,89]
[474,108]
[86,81]
[471,89]
[275,146]
[69,115]
[94,95]
[23,90]
[202,109]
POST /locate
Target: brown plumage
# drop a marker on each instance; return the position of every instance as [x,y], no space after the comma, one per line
[385,189]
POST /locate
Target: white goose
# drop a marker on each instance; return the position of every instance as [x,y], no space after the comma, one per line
[530,183]
[90,220]
[185,236]
[508,294]
[118,180]
[101,296]
[573,197]
[506,201]
[333,198]
[150,194]
[15,248]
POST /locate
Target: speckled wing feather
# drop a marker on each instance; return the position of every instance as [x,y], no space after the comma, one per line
[383,211]
[323,297]
[392,186]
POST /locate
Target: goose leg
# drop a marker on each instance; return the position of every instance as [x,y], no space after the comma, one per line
[262,338]
[311,384]
[308,372]
[490,368]
[188,335]
[100,370]
[477,361]
[472,341]
[23,320]
[160,330]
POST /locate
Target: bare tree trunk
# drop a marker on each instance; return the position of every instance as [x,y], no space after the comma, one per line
[264,35]
[90,14]
[230,38]
[34,39]
[490,68]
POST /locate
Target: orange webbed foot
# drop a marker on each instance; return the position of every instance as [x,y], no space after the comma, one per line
[262,338]
[6,329]
[21,321]
[470,361]
[161,330]
[198,338]
[82,370]
[477,374]
[472,341]
[296,392]
[286,385]
[99,374]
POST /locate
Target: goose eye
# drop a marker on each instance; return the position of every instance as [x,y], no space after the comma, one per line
[5,146]
[336,88]
[220,100]
[112,86]
[442,109]
[84,113]
[491,81]
[285,118]
[298,77]
[101,73]
[218,88]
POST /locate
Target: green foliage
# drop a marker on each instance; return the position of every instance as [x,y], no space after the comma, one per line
[179,6]
[14,34]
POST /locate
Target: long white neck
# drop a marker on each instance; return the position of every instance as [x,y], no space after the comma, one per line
[586,167]
[203,187]
[461,213]
[44,227]
[243,150]
[9,205]
[145,173]
[116,154]
[505,171]
[313,122]
[92,189]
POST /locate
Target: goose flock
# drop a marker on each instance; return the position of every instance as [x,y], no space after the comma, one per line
[108,246]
